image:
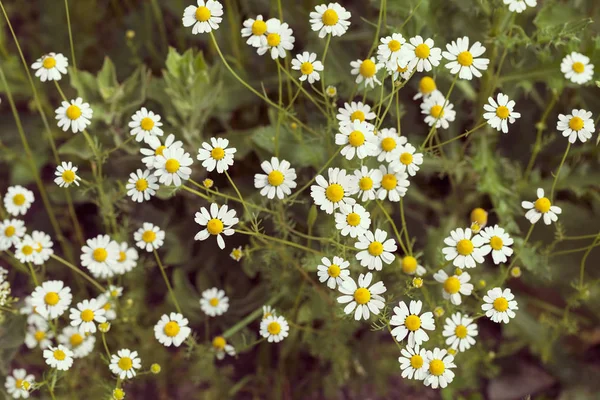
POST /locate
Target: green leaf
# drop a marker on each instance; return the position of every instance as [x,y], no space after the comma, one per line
[299,151]
[107,79]
[76,146]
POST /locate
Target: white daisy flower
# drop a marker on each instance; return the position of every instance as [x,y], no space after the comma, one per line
[254,30]
[127,260]
[108,304]
[435,111]
[412,362]
[11,231]
[389,49]
[409,321]
[497,242]
[125,363]
[357,138]
[50,67]
[330,19]
[439,371]
[173,166]
[43,246]
[406,159]
[519,5]
[411,266]
[75,115]
[499,305]
[214,302]
[86,315]
[33,317]
[144,125]
[18,383]
[394,184]
[366,70]
[541,207]
[353,220]
[420,54]
[219,220]
[205,18]
[427,87]
[172,329]
[237,253]
[333,272]
[460,332]
[464,250]
[39,335]
[25,251]
[141,185]
[17,200]
[577,68]
[279,180]
[362,297]
[500,114]
[369,180]
[59,357]
[268,311]
[66,174]
[397,71]
[454,286]
[464,60]
[80,344]
[336,193]
[157,148]
[578,124]
[388,143]
[331,91]
[354,111]
[274,329]
[221,347]
[100,256]
[374,248]
[216,155]
[279,39]
[308,65]
[149,237]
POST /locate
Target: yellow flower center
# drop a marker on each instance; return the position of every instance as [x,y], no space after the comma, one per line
[365,183]
[51,298]
[353,219]
[375,248]
[334,270]
[159,150]
[412,322]
[68,176]
[141,185]
[578,67]
[259,28]
[172,165]
[273,39]
[87,315]
[76,339]
[437,367]
[394,45]
[50,62]
[19,199]
[389,181]
[306,68]
[334,192]
[406,158]
[464,247]
[217,153]
[100,254]
[500,304]
[125,363]
[330,17]
[19,383]
[214,226]
[106,306]
[427,85]
[275,178]
[274,328]
[452,285]
[357,115]
[214,302]
[479,215]
[496,243]
[367,68]
[59,355]
[461,331]
[122,257]
[27,250]
[362,295]
[73,112]
[465,58]
[9,231]
[416,361]
[402,69]
[502,112]
[236,253]
[147,123]
[437,111]
[388,144]
[409,265]
[576,123]
[543,205]
[356,138]
[172,329]
[219,342]
[422,51]
[208,183]
[149,236]
[39,335]
[202,14]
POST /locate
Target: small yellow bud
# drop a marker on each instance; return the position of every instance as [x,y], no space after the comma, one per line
[129,302]
[331,91]
[458,271]
[452,351]
[104,327]
[438,311]
[130,34]
[491,355]
[118,394]
[481,283]
[480,216]
[208,183]
[26,385]
[515,272]
[155,369]
[294,125]
[417,282]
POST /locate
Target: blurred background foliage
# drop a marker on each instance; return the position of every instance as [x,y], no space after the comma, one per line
[135,52]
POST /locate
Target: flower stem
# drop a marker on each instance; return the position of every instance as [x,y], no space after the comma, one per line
[583,260]
[33,276]
[467,133]
[514,260]
[434,125]
[164,275]
[80,272]
[391,221]
[558,171]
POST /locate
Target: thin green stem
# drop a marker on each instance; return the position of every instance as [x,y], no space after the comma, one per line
[33,276]
[166,279]
[293,196]
[391,221]
[250,317]
[541,127]
[584,259]
[80,272]
[74,61]
[405,227]
[467,133]
[278,240]
[516,257]
[105,346]
[558,171]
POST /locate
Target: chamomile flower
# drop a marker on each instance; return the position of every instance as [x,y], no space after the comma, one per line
[541,207]
[219,221]
[172,329]
[427,87]
[464,60]
[237,253]
[439,371]
[519,6]
[407,159]
[499,114]
[499,305]
[205,18]
[17,200]
[460,332]
[221,347]
[454,286]
[141,185]
[394,184]
[108,304]
[366,70]
[86,315]
[43,246]
[214,302]
[125,363]
[497,242]
[66,174]
[308,66]
[398,71]
[145,124]
[375,249]
[50,67]
[331,91]
[33,317]
[157,148]
[354,111]
[362,297]
[438,111]
[330,196]
[75,115]
[329,19]
[388,143]
[38,335]
[59,357]
[254,30]
[216,155]
[353,220]
[411,266]
[389,49]
[80,344]
[100,256]
[409,321]
[479,216]
[578,124]
[149,237]
[280,38]
[369,180]
[274,329]
[18,383]
[11,231]
[464,250]
[420,54]
[279,180]
[25,251]
[173,166]
[268,311]
[357,138]
[412,362]
[333,272]
[577,68]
